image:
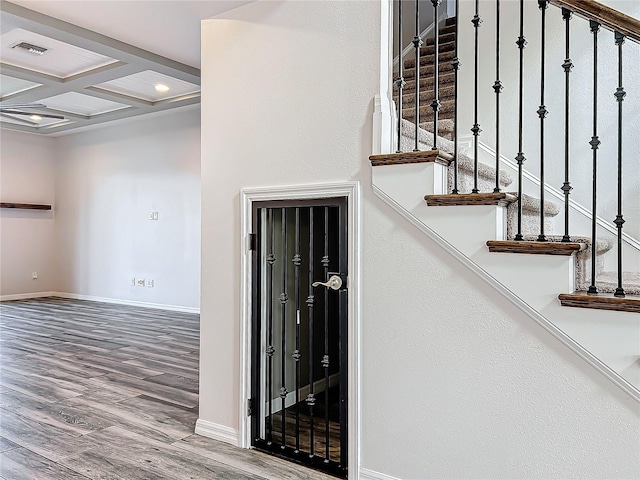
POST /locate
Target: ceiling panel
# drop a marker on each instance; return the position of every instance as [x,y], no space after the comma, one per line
[142,85]
[10,85]
[81,104]
[61,59]
[45,122]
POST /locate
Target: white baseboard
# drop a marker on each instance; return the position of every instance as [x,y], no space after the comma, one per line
[366,474]
[217,432]
[318,388]
[133,303]
[23,296]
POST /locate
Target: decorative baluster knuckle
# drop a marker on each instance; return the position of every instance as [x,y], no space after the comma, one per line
[594,26]
[619,38]
[520,158]
[521,42]
[542,112]
[543,4]
[456,63]
[620,94]
[477,21]
[566,14]
[497,86]
[476,130]
[436,106]
[567,65]
[595,142]
[271,259]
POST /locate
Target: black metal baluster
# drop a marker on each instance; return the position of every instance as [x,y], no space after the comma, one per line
[455,63]
[297,261]
[400,83]
[271,259]
[311,398]
[283,307]
[520,158]
[497,87]
[542,113]
[619,221]
[595,143]
[476,127]
[325,358]
[417,43]
[567,66]
[435,104]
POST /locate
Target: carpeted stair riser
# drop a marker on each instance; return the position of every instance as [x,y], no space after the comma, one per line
[424,51]
[426,83]
[445,92]
[426,112]
[445,127]
[446,37]
[443,68]
[607,282]
[444,57]
[530,216]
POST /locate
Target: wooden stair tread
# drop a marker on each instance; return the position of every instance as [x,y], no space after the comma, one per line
[601,301]
[426,156]
[535,247]
[501,199]
[25,206]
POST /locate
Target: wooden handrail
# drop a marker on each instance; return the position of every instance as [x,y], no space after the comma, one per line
[606,16]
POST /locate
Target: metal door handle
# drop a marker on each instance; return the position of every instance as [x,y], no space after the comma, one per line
[334,282]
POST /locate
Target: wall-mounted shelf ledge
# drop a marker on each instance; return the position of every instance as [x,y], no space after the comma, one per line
[25,206]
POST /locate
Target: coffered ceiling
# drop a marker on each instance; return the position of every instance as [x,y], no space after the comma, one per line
[91,78]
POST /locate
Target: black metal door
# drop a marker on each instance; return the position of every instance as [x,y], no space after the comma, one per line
[299,363]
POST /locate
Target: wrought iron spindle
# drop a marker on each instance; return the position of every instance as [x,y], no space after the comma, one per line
[325,358]
[311,398]
[476,126]
[567,66]
[455,63]
[271,259]
[400,83]
[297,261]
[435,104]
[595,143]
[497,87]
[542,113]
[283,310]
[619,221]
[520,158]
[417,43]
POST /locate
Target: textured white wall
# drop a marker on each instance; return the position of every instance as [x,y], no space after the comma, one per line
[456,383]
[107,183]
[27,236]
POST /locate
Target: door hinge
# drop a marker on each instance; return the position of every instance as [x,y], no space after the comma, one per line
[249,407]
[253,242]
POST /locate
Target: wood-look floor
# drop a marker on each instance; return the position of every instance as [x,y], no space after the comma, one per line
[99,391]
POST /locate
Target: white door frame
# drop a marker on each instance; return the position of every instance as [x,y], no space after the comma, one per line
[351,190]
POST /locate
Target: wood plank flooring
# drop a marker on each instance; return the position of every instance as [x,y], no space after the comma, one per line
[101,391]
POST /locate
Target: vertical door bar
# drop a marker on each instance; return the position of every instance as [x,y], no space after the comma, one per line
[311,399]
[520,158]
[283,309]
[325,358]
[542,113]
[343,336]
[297,260]
[400,80]
[620,94]
[595,143]
[567,65]
[271,259]
[497,87]
[476,126]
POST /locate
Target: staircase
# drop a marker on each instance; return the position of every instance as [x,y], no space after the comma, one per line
[545,277]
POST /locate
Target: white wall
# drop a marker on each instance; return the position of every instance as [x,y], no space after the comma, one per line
[469,388]
[108,181]
[27,236]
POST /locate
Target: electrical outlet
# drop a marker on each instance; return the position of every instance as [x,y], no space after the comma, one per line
[133,281]
[34,275]
[155,215]
[151,215]
[150,283]
[141,282]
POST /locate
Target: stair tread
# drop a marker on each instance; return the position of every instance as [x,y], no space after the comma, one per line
[535,247]
[629,303]
[468,199]
[607,282]
[425,156]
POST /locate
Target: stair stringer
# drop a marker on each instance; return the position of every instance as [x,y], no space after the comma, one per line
[403,187]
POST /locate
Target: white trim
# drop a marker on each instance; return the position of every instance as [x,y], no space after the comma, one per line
[23,296]
[216,431]
[133,303]
[514,299]
[351,190]
[366,474]
[579,208]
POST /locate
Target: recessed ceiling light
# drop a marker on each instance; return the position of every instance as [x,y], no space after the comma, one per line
[161,88]
[35,118]
[29,47]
